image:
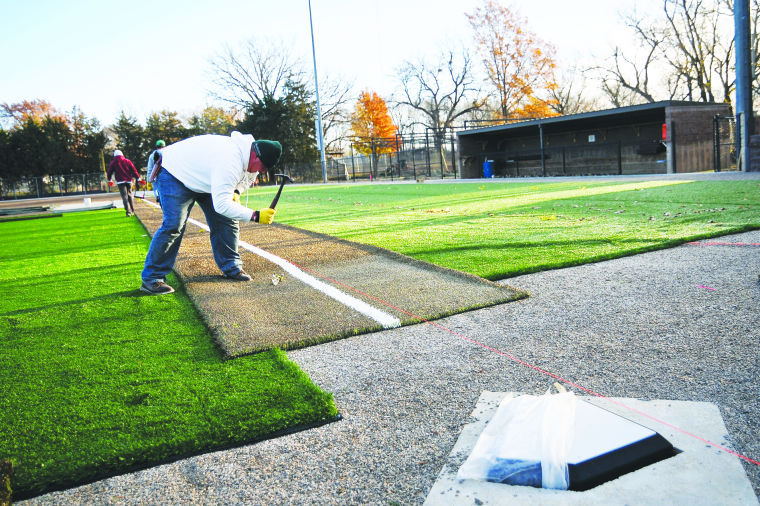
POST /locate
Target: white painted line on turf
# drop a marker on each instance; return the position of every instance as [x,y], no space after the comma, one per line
[386,320]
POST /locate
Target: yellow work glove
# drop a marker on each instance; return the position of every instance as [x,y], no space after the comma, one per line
[236,197]
[266,216]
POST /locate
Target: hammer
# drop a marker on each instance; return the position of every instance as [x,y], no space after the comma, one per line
[285,179]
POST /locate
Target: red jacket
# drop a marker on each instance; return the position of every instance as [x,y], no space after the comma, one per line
[123,169]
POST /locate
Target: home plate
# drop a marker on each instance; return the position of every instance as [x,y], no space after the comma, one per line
[695,473]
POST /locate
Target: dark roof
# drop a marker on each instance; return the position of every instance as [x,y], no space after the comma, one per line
[653,111]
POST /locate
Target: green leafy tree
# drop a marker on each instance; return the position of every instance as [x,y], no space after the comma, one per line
[88,142]
[164,125]
[130,138]
[288,119]
[5,157]
[43,141]
[212,120]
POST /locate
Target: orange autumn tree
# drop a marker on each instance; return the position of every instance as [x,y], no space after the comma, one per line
[372,128]
[519,65]
[30,110]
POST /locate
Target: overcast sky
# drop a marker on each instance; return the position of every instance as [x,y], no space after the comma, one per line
[143,56]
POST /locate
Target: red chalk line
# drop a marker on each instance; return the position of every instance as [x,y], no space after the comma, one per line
[531,366]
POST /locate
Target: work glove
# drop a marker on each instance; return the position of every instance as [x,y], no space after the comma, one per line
[236,197]
[266,216]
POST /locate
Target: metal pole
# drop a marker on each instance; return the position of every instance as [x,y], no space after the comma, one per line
[353,167]
[320,136]
[541,141]
[716,144]
[744,116]
[427,154]
[453,157]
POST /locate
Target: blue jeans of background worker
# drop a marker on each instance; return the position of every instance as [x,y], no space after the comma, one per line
[176,202]
[156,191]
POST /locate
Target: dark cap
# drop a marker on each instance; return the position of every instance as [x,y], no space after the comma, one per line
[268,152]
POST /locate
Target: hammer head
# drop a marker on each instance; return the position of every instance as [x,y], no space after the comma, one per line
[286,177]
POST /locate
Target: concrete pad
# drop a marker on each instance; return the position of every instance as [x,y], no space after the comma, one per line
[700,474]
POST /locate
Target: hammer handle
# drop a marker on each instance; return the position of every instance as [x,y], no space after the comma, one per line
[277,197]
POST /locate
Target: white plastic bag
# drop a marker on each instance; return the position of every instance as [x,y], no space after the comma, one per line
[526,442]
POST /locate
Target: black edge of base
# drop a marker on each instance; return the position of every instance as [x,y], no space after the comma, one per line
[609,466]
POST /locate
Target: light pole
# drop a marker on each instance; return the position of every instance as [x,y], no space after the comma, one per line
[744,115]
[320,138]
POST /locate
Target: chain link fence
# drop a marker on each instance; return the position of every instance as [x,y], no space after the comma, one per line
[412,157]
[407,157]
[53,186]
[724,142]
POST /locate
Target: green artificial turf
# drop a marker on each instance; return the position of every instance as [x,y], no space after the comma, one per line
[98,379]
[498,230]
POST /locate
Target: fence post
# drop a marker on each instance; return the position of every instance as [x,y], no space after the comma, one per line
[414,157]
[398,156]
[716,144]
[353,167]
[453,156]
[620,157]
[427,154]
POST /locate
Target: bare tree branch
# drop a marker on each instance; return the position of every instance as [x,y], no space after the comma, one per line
[440,92]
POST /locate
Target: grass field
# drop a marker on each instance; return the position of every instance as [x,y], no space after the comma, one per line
[498,230]
[97,379]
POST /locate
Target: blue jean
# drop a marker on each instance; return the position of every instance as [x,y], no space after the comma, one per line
[176,202]
[156,191]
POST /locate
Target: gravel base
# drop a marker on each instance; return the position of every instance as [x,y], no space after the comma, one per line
[633,327]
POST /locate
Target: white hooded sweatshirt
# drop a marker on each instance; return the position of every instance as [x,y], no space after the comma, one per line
[213,164]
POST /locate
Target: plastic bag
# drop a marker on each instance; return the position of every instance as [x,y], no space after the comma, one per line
[526,442]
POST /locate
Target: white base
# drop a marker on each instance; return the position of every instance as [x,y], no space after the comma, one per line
[701,474]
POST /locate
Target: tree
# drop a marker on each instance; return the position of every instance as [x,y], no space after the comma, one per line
[256,72]
[288,119]
[690,45]
[38,148]
[212,120]
[36,110]
[261,70]
[43,141]
[568,96]
[164,125]
[518,64]
[130,138]
[440,92]
[372,127]
[87,143]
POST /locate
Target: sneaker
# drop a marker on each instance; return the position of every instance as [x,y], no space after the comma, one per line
[156,288]
[239,276]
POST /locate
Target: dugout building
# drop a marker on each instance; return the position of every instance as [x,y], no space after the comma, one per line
[655,138]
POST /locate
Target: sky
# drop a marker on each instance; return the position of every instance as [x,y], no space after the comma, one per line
[145,56]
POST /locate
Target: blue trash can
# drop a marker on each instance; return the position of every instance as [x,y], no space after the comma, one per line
[488,168]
